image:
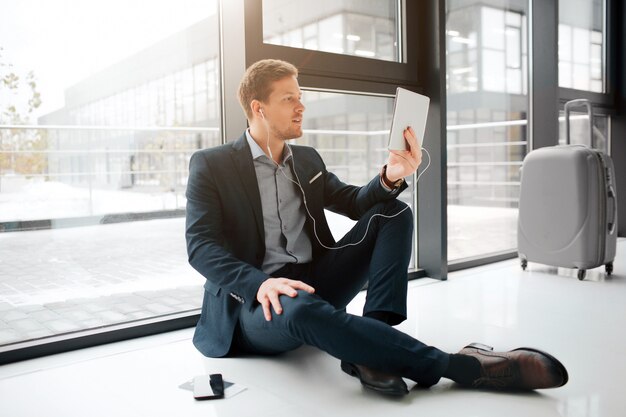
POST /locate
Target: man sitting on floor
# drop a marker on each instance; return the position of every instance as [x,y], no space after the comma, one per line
[275,277]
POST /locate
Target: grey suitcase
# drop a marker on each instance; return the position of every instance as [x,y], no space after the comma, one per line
[568,207]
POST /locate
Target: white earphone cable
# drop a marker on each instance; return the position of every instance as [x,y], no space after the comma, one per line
[304,195]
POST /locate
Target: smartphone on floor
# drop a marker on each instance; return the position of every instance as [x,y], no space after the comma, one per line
[208,388]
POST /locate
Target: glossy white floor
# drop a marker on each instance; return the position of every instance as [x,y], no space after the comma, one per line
[582,323]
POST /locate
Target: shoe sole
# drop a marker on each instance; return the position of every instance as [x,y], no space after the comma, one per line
[352,370]
[480,346]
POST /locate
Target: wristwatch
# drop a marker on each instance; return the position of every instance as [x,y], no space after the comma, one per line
[387,181]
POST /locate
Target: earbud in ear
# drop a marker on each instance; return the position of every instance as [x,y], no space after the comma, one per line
[262,115]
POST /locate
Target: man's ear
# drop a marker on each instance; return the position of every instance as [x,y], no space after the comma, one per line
[255,106]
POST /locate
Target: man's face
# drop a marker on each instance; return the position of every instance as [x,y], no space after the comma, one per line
[283,109]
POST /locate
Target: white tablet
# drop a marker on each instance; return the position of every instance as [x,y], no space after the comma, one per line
[409,109]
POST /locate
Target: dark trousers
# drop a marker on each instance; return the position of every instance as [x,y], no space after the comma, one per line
[380,260]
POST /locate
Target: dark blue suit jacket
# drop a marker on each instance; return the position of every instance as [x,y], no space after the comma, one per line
[224,228]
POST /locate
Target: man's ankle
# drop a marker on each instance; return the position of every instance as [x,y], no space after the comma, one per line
[462,369]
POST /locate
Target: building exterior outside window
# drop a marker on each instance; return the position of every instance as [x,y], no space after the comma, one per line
[487,101]
[582,63]
[583,68]
[96,169]
[93,161]
[350,131]
[351,27]
[116,151]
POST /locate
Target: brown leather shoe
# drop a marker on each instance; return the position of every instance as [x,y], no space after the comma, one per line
[376,380]
[522,368]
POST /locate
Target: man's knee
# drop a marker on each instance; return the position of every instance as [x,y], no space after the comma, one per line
[400,211]
[296,308]
[301,309]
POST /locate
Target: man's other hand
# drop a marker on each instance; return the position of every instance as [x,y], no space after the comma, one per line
[272,288]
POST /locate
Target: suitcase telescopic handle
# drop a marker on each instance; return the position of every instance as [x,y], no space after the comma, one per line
[613,223]
[581,102]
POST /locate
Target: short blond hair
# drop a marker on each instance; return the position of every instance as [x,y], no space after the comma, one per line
[257,81]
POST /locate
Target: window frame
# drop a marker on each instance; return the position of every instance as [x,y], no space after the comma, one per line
[425,44]
[236,53]
[315,64]
[603,102]
[423,41]
[357,74]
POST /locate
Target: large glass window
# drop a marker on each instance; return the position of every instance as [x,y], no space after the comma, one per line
[350,131]
[351,27]
[581,45]
[487,64]
[99,116]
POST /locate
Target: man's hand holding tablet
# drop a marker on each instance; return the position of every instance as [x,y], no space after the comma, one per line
[407,130]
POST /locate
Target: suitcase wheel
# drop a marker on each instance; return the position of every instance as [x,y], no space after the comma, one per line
[524,264]
[581,274]
[609,268]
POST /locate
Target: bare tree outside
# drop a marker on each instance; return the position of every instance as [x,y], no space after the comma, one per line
[22,150]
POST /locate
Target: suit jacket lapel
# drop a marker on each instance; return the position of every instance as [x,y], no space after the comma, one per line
[242,158]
